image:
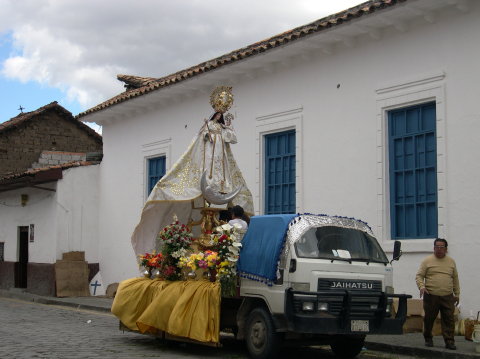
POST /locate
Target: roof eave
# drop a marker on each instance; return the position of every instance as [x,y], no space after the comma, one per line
[330,22]
[31,180]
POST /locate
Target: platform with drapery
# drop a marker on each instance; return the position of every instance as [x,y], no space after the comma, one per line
[188,309]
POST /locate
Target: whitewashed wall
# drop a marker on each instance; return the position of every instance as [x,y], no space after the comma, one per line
[77,212]
[40,211]
[337,103]
[65,220]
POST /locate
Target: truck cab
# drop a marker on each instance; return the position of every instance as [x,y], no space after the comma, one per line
[314,278]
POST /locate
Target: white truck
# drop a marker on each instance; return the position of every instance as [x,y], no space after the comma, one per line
[315,279]
[311,279]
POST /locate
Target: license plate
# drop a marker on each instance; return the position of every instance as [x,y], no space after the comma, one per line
[359,326]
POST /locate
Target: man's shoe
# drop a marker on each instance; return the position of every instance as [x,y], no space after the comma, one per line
[451,346]
[429,342]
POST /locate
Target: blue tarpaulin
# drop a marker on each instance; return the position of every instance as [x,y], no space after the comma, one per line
[262,246]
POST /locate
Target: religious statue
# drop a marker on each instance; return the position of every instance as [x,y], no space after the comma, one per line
[207,170]
[216,134]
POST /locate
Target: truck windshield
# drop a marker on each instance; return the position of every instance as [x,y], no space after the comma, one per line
[332,242]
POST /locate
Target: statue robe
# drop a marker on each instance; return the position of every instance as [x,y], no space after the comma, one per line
[176,192]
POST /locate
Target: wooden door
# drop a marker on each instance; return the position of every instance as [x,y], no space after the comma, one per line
[22,264]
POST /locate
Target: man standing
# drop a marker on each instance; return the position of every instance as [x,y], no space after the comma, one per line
[437,279]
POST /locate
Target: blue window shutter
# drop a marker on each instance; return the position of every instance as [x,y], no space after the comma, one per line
[413,172]
[156,170]
[280,173]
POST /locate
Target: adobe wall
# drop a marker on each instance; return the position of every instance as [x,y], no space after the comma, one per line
[21,146]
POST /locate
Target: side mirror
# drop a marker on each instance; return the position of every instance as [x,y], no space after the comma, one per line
[397,251]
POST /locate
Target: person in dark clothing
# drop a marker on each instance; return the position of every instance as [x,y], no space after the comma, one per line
[237,217]
[225,215]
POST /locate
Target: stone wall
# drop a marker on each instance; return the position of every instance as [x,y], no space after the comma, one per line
[22,146]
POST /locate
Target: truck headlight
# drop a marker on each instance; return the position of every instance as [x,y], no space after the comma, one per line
[308,306]
[323,307]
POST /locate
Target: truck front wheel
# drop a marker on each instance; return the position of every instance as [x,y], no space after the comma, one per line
[262,340]
[346,346]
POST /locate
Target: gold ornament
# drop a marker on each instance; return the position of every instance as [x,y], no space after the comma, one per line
[221,99]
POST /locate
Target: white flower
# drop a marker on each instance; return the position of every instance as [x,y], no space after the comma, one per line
[233,250]
[179,253]
[237,244]
[232,259]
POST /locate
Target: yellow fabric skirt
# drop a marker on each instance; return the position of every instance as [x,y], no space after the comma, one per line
[189,309]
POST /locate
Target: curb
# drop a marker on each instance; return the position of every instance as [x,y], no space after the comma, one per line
[72,305]
[419,352]
[42,300]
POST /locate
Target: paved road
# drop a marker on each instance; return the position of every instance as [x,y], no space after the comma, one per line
[32,330]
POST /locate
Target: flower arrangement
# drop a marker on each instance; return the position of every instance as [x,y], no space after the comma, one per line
[175,240]
[175,237]
[151,261]
[175,243]
[228,245]
[222,263]
[202,260]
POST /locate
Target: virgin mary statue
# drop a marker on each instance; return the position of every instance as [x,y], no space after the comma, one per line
[207,171]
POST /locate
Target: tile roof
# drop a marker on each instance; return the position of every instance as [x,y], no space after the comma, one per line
[22,118]
[138,86]
[133,82]
[38,176]
[63,166]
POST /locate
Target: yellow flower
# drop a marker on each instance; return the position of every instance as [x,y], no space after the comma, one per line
[191,264]
[198,256]
[182,262]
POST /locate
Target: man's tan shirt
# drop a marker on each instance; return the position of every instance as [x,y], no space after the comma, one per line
[439,276]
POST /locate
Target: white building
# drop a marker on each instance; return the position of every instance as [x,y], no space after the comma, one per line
[336,92]
[44,213]
[48,196]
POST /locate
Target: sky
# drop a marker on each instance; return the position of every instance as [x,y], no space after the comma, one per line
[71,51]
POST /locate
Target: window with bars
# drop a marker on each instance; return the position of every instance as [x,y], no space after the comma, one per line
[280,172]
[413,172]
[2,251]
[156,170]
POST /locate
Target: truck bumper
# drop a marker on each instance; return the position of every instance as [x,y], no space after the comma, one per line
[349,320]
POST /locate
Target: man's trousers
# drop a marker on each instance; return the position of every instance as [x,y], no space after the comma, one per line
[432,304]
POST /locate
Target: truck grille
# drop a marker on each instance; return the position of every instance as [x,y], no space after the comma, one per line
[360,306]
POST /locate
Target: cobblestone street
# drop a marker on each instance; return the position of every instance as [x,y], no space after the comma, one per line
[32,330]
